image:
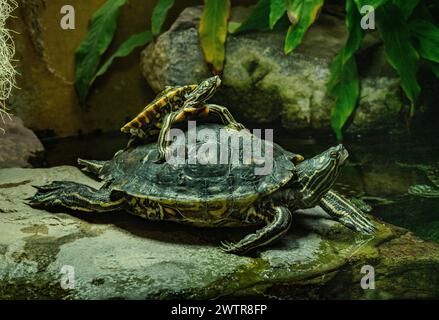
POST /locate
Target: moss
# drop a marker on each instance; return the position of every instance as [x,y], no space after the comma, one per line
[43,249]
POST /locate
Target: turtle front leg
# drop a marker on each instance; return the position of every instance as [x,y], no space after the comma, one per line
[345,212]
[182,115]
[75,196]
[279,225]
[224,114]
[169,120]
[162,143]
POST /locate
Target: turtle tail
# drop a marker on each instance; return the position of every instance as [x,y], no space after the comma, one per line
[92,166]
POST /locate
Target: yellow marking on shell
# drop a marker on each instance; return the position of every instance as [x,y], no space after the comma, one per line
[219,213]
[168,202]
[160,104]
[169,211]
[181,116]
[145,118]
[154,107]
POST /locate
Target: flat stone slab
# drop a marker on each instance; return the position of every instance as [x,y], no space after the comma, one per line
[121,256]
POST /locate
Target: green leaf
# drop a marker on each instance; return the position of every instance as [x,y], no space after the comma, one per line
[435,68]
[259,18]
[400,52]
[374,3]
[347,92]
[100,34]
[159,14]
[344,84]
[353,43]
[294,8]
[233,26]
[277,10]
[427,35]
[308,14]
[422,12]
[125,49]
[213,31]
[406,6]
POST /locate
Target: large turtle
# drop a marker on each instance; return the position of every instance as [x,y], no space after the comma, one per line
[173,105]
[206,194]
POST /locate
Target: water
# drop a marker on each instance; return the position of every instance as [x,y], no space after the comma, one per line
[373,172]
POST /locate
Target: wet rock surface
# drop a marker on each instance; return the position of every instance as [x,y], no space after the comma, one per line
[19,146]
[261,84]
[121,256]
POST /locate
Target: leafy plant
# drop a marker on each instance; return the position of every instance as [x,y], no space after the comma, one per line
[213,31]
[407,29]
[100,34]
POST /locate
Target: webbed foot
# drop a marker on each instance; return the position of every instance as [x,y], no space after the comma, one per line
[51,194]
[358,223]
[75,196]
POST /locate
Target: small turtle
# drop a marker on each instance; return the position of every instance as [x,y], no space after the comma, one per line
[211,194]
[423,190]
[176,104]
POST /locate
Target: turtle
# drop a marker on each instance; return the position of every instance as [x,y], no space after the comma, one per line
[212,194]
[175,104]
[424,190]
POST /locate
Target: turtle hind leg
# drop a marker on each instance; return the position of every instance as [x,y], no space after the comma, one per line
[75,196]
[279,225]
[345,212]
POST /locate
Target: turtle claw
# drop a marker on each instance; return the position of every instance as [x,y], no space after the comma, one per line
[162,156]
[228,247]
[50,194]
[358,223]
[159,160]
[43,198]
[51,186]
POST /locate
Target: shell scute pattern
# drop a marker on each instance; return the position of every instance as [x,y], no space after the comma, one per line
[203,189]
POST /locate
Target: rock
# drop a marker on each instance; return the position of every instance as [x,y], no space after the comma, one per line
[122,256]
[19,146]
[263,85]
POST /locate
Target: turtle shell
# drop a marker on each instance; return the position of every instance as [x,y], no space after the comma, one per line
[135,173]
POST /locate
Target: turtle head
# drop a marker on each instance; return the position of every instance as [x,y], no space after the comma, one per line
[204,91]
[317,175]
